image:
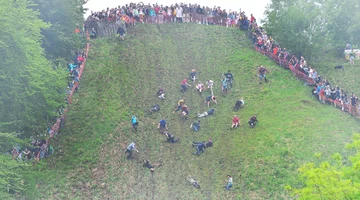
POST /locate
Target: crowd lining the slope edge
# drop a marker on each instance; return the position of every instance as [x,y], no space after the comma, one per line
[40,148]
[139,13]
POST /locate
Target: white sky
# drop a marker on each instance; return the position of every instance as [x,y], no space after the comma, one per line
[256,7]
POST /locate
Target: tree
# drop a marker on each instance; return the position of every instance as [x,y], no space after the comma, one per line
[30,89]
[63,16]
[338,181]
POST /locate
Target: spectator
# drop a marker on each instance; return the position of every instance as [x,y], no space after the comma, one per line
[235,122]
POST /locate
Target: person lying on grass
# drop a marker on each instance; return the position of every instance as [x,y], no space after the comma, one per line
[235,122]
[208,144]
[150,166]
[161,93]
[204,114]
[195,126]
[155,108]
[171,138]
[238,104]
[192,181]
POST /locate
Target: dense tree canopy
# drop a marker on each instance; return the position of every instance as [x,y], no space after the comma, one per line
[313,26]
[340,180]
[32,85]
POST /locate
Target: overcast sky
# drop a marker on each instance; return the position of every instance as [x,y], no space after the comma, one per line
[256,7]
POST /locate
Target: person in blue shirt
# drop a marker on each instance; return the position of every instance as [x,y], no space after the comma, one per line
[134,122]
[195,126]
[162,125]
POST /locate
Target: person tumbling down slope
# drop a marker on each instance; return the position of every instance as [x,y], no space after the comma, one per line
[206,113]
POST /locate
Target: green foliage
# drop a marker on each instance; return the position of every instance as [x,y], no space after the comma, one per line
[63,16]
[313,27]
[338,181]
[31,89]
[11,180]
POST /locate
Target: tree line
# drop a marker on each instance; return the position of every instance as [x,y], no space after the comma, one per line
[314,27]
[319,28]
[37,39]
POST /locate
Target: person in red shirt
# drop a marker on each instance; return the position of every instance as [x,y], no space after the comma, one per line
[184,85]
[252,19]
[235,122]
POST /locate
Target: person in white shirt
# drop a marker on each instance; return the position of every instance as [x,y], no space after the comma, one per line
[130,149]
[179,14]
[230,183]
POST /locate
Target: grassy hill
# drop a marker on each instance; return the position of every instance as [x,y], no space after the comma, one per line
[121,79]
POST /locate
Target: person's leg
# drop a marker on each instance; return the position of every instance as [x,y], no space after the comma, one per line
[260,77]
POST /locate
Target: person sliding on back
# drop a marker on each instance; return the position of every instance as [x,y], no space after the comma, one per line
[262,74]
[170,138]
[238,104]
[252,121]
[161,93]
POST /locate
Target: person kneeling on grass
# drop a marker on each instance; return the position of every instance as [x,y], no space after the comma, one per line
[204,114]
[210,98]
[195,126]
[155,108]
[150,166]
[170,138]
[235,122]
[238,104]
[252,121]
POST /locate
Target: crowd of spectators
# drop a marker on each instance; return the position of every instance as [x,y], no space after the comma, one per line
[134,13]
[40,148]
[139,13]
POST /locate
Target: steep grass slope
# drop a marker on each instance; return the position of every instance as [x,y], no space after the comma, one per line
[121,79]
